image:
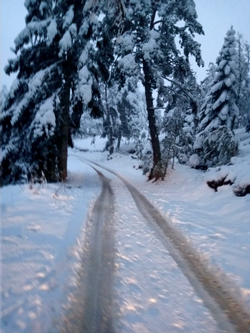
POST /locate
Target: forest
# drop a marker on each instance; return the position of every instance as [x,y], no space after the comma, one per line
[124,181]
[120,69]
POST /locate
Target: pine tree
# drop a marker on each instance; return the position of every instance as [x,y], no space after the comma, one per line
[3,97]
[58,72]
[131,109]
[28,118]
[243,81]
[215,140]
[179,123]
[148,49]
[125,114]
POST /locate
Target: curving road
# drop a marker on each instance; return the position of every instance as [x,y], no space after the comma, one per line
[229,313]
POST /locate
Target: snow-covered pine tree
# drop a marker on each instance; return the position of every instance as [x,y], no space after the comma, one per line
[243,81]
[205,84]
[95,66]
[179,122]
[28,119]
[132,110]
[56,69]
[3,97]
[215,141]
[125,113]
[149,41]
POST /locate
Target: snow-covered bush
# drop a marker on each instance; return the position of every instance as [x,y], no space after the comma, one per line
[216,147]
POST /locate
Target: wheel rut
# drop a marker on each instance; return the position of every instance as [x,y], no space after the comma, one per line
[99,264]
[230,313]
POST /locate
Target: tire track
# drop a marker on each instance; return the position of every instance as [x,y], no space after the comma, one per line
[227,310]
[99,265]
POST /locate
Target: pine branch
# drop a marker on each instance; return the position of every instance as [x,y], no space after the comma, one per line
[182,88]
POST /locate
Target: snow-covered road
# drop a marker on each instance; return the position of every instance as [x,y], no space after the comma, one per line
[206,283]
[45,236]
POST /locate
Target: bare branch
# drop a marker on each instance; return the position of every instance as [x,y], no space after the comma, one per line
[156,22]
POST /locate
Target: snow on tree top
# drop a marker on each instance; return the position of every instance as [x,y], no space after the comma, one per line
[15,85]
[68,17]
[227,70]
[34,84]
[224,112]
[45,117]
[228,82]
[32,28]
[65,43]
[27,3]
[51,31]
[84,55]
[84,27]
[223,97]
[73,29]
[127,62]
[85,85]
[43,5]
[127,42]
[190,5]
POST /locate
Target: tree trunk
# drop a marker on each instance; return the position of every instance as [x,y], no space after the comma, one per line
[157,170]
[119,140]
[64,128]
[110,129]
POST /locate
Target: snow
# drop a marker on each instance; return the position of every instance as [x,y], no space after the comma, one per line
[43,227]
[34,83]
[68,18]
[32,28]
[223,97]
[40,231]
[216,87]
[43,5]
[238,171]
[51,31]
[127,42]
[85,54]
[224,112]
[227,70]
[127,63]
[84,27]
[85,85]
[45,117]
[228,82]
[28,3]
[73,30]
[151,45]
[65,43]
[194,160]
[15,85]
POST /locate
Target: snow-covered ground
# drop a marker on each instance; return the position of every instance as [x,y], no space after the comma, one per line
[41,228]
[41,249]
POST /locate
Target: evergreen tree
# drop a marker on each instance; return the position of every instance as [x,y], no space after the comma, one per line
[3,97]
[215,141]
[28,118]
[179,123]
[58,72]
[132,111]
[243,81]
[125,114]
[148,44]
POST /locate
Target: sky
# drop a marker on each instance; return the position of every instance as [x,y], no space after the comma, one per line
[216,17]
